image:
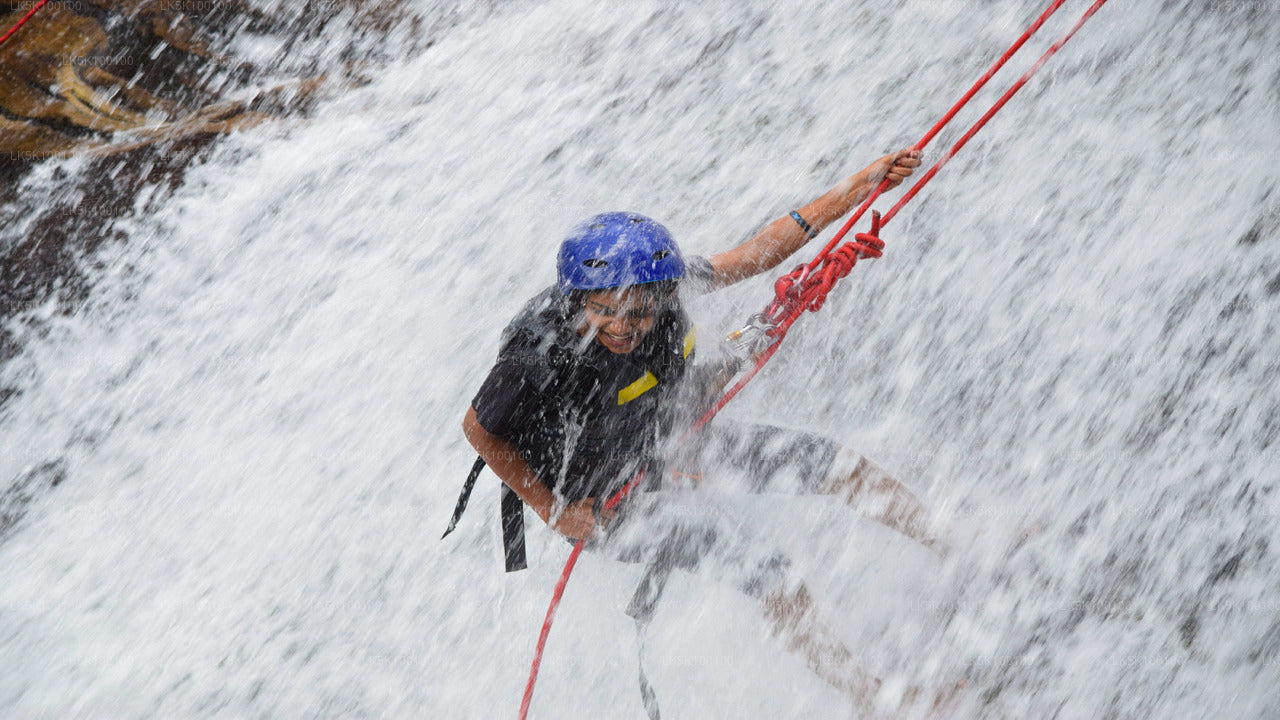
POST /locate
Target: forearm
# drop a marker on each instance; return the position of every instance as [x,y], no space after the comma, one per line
[783,237]
[574,520]
[507,463]
[837,202]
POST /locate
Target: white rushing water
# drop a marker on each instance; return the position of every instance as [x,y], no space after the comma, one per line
[256,415]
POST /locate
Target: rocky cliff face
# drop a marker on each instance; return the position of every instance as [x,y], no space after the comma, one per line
[137,88]
[105,77]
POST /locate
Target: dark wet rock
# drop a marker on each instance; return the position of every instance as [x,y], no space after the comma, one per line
[16,500]
[1241,302]
[143,87]
[1267,649]
[44,261]
[1252,235]
[107,76]
[1273,286]
[1227,569]
[1188,629]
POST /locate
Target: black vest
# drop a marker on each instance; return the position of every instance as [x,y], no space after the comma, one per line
[600,417]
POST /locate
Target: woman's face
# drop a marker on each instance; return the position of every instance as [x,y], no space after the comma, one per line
[619,318]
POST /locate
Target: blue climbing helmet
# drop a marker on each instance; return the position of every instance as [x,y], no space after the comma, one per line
[617,249]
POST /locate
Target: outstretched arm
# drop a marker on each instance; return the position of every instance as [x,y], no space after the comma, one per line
[782,237]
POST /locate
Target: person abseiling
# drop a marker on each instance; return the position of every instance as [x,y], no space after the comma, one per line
[594,378]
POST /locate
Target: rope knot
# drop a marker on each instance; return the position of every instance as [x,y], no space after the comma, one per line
[841,261]
[869,244]
[788,292]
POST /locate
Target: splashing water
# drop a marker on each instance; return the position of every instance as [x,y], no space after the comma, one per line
[235,455]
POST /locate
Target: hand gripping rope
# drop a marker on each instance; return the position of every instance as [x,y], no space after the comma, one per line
[806,287]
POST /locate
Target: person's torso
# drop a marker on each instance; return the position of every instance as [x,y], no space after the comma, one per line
[601,416]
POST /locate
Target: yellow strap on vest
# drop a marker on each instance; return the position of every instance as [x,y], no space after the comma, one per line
[649,380]
[637,388]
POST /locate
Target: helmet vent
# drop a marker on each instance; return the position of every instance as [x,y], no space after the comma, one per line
[595,263]
[661,254]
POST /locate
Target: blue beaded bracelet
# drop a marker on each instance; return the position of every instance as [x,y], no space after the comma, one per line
[809,232]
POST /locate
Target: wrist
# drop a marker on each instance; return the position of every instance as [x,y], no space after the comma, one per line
[808,230]
[546,511]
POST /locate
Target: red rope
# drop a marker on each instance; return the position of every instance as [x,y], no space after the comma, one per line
[803,289]
[546,628]
[991,113]
[23,21]
[558,593]
[937,127]
[806,287]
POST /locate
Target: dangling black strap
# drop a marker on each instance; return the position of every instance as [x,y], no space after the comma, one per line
[643,604]
[512,518]
[513,529]
[465,496]
[647,694]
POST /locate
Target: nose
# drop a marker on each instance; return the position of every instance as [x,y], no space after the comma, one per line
[620,325]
